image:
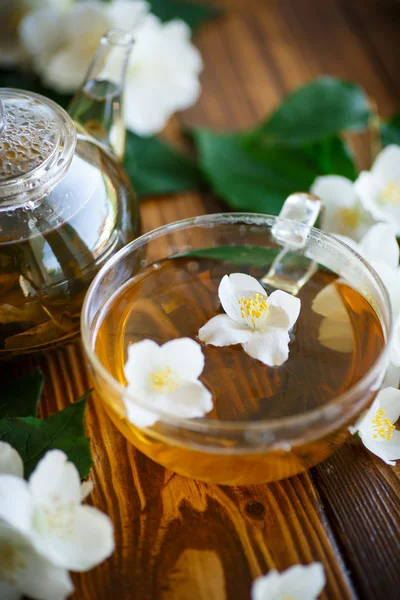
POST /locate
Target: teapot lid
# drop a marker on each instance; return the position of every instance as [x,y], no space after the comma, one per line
[37,143]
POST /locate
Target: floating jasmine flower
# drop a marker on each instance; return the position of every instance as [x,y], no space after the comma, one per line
[296,583]
[343,213]
[259,322]
[379,188]
[165,378]
[377,429]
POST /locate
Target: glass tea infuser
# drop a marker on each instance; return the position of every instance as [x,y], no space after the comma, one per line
[265,422]
[66,204]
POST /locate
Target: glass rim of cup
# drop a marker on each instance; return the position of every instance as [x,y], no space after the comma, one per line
[328,412]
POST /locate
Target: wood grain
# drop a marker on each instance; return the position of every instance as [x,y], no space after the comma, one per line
[178,539]
[361,496]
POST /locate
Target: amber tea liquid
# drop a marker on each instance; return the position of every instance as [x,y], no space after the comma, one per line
[178,296]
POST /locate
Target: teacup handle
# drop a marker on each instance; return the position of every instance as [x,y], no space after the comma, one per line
[290,271]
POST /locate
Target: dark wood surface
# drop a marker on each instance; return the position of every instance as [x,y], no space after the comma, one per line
[179,539]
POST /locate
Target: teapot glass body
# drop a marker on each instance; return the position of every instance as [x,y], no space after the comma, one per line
[66,205]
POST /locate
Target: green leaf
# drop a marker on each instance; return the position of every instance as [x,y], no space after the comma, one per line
[156,168]
[20,395]
[390,131]
[316,111]
[192,13]
[244,180]
[28,81]
[32,438]
[259,179]
[332,156]
[258,256]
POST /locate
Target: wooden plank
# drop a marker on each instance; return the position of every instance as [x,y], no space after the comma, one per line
[361,496]
[376,24]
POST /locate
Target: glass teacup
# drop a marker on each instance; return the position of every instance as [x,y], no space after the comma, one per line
[268,423]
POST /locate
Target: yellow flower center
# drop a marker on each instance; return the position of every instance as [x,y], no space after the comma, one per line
[253,307]
[382,426]
[350,217]
[391,193]
[164,380]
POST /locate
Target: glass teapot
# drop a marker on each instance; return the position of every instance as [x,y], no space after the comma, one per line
[66,203]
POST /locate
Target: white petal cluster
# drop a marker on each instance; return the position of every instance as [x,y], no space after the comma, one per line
[44,529]
[351,208]
[351,211]
[260,323]
[165,378]
[299,582]
[162,75]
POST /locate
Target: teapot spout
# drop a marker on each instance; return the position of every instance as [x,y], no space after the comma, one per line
[97,107]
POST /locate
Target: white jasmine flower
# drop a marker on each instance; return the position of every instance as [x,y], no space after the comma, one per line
[62,42]
[10,461]
[162,75]
[343,213]
[163,72]
[296,583]
[72,536]
[23,571]
[377,429]
[379,188]
[11,13]
[165,378]
[48,510]
[259,322]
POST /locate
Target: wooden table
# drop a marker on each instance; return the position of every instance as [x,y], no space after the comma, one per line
[180,539]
